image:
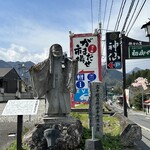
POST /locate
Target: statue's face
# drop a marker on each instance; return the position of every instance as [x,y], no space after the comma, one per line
[57,52]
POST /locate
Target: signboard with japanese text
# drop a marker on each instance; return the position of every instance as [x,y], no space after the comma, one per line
[86,49]
[113,50]
[96,108]
[139,51]
[129,42]
[21,107]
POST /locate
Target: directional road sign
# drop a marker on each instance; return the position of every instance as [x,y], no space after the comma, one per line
[139,51]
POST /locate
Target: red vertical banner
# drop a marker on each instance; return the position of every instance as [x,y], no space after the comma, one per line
[72,100]
[86,48]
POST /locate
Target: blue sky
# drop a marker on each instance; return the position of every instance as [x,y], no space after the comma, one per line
[29,27]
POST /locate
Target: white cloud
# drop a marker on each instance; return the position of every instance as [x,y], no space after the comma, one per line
[23,39]
[19,53]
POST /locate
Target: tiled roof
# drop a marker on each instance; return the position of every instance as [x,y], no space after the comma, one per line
[4,71]
[147,101]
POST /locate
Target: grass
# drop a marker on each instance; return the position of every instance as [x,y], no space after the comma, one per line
[111,130]
[13,146]
[111,125]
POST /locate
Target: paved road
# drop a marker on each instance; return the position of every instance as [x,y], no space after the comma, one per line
[8,124]
[143,121]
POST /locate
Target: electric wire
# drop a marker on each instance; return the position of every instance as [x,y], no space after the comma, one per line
[99,12]
[104,13]
[109,14]
[136,6]
[128,14]
[103,43]
[122,8]
[120,15]
[137,16]
[92,14]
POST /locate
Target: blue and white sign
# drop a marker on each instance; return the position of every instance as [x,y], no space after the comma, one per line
[80,77]
[91,76]
[80,84]
[82,95]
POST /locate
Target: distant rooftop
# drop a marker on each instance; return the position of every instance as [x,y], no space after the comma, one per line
[4,71]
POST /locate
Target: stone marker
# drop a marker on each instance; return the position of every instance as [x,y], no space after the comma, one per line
[93,144]
[96,108]
[96,116]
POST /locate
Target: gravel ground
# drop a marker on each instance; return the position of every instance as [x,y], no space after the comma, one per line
[8,124]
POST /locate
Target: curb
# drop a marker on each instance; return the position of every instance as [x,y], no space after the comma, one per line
[144,127]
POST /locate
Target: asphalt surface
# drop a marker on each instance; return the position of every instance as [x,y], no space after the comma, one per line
[143,121]
[8,124]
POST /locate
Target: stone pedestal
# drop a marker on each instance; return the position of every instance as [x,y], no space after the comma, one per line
[93,144]
[70,136]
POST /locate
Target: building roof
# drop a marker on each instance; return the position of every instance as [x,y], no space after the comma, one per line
[147,101]
[4,71]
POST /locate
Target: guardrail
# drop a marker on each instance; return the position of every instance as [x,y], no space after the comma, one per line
[86,110]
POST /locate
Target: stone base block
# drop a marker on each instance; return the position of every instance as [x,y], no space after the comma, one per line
[91,144]
[131,132]
[69,137]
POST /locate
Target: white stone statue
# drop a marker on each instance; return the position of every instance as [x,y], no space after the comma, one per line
[55,78]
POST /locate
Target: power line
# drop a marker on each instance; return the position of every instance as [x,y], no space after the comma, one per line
[99,12]
[120,14]
[92,14]
[137,16]
[110,14]
[116,25]
[132,16]
[128,14]
[104,13]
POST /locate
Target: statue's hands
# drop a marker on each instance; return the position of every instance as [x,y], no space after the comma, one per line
[35,67]
[74,60]
[38,66]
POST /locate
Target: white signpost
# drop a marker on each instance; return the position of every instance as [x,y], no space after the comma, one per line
[86,49]
[20,108]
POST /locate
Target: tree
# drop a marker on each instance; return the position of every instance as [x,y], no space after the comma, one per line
[137,100]
[142,73]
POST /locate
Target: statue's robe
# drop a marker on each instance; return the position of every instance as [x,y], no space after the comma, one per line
[55,81]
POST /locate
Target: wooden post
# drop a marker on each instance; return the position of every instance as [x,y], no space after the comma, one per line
[124,75]
[19,131]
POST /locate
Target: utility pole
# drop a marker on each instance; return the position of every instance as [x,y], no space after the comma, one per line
[124,74]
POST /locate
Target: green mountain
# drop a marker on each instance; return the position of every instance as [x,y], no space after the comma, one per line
[111,77]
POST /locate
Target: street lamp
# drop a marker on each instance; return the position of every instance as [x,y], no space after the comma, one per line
[147,29]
